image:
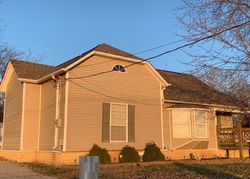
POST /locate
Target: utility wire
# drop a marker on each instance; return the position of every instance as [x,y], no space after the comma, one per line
[164,45]
[169,51]
[199,40]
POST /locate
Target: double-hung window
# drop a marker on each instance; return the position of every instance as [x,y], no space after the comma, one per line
[201,124]
[119,122]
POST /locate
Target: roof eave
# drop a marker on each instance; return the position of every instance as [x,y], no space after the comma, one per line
[163,81]
[47,77]
[205,104]
[63,70]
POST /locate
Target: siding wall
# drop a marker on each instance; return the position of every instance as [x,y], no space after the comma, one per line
[136,87]
[48,114]
[13,114]
[167,128]
[188,143]
[212,131]
[31,116]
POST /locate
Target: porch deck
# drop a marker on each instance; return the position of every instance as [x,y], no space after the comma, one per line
[233,138]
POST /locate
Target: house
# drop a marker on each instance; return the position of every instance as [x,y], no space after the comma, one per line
[54,114]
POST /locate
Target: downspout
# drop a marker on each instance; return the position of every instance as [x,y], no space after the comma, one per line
[57,80]
[23,110]
[161,107]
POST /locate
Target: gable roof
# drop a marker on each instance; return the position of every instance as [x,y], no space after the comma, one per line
[105,48]
[35,71]
[30,70]
[188,88]
[183,88]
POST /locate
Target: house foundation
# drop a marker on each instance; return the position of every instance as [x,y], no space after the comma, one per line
[72,158]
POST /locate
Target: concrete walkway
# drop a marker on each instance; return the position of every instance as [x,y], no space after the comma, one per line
[13,170]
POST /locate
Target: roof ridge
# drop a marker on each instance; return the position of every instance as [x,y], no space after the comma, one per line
[103,47]
[35,63]
[78,56]
[181,73]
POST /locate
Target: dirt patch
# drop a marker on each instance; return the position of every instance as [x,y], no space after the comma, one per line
[14,170]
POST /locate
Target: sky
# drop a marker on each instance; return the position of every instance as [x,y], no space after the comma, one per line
[62,29]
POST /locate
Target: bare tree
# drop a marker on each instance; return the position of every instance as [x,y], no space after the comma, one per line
[222,60]
[7,52]
[231,83]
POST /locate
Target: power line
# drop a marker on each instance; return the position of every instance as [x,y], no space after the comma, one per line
[169,51]
[155,48]
[197,41]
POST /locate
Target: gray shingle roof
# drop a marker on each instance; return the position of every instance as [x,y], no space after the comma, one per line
[29,70]
[188,88]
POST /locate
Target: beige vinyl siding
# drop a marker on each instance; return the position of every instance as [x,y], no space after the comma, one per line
[212,131]
[13,114]
[48,114]
[196,145]
[62,104]
[136,87]
[31,116]
[167,128]
[225,121]
[188,143]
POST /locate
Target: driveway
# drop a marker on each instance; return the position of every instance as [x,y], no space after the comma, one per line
[13,170]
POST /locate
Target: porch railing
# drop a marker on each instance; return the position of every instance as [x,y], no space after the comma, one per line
[232,138]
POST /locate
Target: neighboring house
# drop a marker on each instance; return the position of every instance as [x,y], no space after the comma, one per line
[111,98]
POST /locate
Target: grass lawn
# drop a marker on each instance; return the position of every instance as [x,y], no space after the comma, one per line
[181,169]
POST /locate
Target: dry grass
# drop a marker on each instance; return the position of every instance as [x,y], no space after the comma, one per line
[171,169]
[63,172]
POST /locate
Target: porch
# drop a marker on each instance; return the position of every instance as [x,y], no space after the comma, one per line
[233,138]
[233,132]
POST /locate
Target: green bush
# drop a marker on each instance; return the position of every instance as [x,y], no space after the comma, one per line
[129,154]
[152,153]
[103,154]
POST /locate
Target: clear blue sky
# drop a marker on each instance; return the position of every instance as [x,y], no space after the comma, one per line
[62,29]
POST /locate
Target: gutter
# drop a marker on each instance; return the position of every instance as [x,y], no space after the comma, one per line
[204,104]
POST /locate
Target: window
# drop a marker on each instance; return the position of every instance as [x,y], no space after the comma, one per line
[181,124]
[226,121]
[119,68]
[201,125]
[118,122]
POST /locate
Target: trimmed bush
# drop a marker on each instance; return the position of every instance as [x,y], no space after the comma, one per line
[152,153]
[129,154]
[103,154]
[191,156]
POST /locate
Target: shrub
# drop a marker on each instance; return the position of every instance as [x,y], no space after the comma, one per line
[191,156]
[152,153]
[129,154]
[103,154]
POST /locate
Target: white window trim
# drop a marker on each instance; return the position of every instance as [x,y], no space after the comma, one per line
[207,125]
[110,124]
[189,123]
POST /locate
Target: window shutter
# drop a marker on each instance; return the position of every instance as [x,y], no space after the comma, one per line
[131,123]
[105,122]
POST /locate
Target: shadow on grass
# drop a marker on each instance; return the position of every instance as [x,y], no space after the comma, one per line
[205,171]
[51,170]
